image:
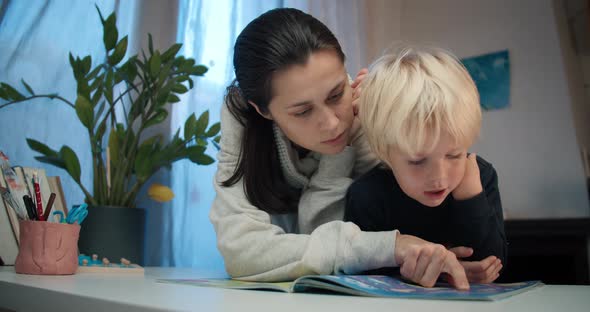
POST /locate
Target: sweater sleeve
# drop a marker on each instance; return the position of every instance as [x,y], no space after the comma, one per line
[255,249]
[478,222]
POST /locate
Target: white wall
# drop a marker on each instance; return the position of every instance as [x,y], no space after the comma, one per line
[383,23]
[532,144]
[573,25]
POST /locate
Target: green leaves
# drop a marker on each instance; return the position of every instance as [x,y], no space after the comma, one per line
[155,63]
[143,162]
[121,97]
[129,69]
[100,130]
[150,44]
[110,34]
[171,52]
[114,147]
[85,112]
[9,93]
[65,158]
[31,92]
[41,148]
[198,70]
[203,159]
[196,128]
[157,118]
[119,52]
[190,126]
[202,123]
[213,130]
[80,67]
[172,98]
[71,162]
[85,64]
[197,155]
[179,88]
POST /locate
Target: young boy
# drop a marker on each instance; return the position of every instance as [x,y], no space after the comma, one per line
[420,111]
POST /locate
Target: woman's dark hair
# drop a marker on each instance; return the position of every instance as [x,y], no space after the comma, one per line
[272,42]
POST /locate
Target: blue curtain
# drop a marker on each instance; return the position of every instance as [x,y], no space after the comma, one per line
[35,39]
[208,30]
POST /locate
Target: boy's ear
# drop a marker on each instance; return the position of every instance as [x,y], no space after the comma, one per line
[265,115]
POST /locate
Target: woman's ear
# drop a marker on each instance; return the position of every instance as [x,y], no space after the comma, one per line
[265,115]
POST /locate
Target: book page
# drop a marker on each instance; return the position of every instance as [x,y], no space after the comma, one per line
[26,185]
[8,245]
[386,286]
[14,183]
[231,284]
[369,285]
[12,216]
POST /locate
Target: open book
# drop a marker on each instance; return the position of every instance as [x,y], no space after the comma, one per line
[369,285]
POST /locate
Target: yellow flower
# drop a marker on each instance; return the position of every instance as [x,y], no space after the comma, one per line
[160,193]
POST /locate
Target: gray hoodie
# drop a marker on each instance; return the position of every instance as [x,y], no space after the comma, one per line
[257,246]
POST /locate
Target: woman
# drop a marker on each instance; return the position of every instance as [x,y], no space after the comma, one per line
[289,150]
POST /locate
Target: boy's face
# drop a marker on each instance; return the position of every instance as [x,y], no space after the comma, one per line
[430,177]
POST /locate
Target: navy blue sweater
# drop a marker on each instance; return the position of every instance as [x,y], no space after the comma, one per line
[375,202]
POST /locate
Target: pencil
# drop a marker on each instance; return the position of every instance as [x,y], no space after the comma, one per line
[48,208]
[38,199]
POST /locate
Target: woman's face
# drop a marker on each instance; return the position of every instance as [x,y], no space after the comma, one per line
[312,103]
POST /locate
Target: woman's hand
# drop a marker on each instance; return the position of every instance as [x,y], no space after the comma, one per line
[481,272]
[423,262]
[356,89]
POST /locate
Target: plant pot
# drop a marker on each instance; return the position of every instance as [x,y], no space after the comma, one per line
[114,233]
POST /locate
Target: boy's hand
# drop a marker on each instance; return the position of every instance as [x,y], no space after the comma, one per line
[481,272]
[423,262]
[471,183]
[356,89]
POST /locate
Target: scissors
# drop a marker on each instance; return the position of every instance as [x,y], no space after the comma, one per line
[78,214]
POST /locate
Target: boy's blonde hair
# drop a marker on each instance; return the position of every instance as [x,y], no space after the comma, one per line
[413,95]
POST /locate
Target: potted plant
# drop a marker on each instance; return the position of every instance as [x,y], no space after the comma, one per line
[117,101]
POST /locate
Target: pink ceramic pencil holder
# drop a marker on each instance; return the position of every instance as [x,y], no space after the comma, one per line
[47,248]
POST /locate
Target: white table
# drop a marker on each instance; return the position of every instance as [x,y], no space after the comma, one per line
[93,292]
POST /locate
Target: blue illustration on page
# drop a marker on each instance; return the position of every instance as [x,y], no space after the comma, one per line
[386,286]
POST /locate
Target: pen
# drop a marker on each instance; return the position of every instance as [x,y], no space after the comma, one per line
[30,208]
[49,206]
[38,199]
[33,210]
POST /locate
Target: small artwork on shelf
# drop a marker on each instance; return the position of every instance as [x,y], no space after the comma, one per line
[88,264]
[491,74]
